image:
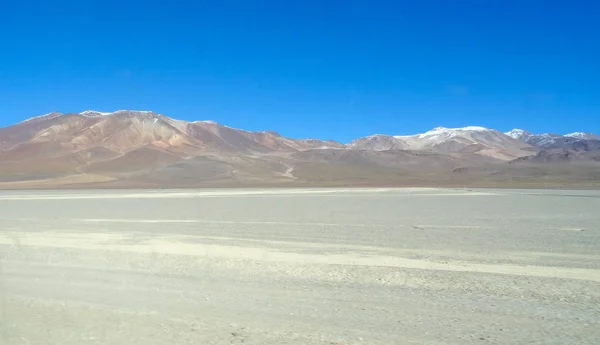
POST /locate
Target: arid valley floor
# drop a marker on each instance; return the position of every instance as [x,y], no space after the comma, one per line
[303,266]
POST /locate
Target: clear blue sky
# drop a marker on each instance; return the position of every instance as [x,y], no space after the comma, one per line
[310,68]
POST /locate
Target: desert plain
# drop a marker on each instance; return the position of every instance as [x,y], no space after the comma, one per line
[300,266]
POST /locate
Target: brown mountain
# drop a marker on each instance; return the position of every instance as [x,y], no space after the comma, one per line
[146,149]
[131,144]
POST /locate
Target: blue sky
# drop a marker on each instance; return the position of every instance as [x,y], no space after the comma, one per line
[326,69]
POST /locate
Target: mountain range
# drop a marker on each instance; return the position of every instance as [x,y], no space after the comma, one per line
[144,149]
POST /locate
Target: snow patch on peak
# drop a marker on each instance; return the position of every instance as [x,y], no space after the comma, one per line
[518,134]
[460,129]
[475,129]
[543,140]
[142,112]
[583,135]
[451,132]
[94,113]
[43,117]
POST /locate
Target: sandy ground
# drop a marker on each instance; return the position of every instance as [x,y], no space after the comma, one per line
[320,266]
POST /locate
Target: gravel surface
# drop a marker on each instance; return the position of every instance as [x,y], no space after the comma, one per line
[318,266]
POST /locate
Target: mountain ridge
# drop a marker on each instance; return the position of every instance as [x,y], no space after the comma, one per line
[515,133]
[145,148]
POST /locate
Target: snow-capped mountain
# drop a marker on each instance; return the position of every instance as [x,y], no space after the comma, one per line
[470,139]
[575,140]
[469,135]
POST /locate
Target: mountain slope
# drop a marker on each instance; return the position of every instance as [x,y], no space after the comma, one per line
[128,143]
[561,156]
[220,137]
